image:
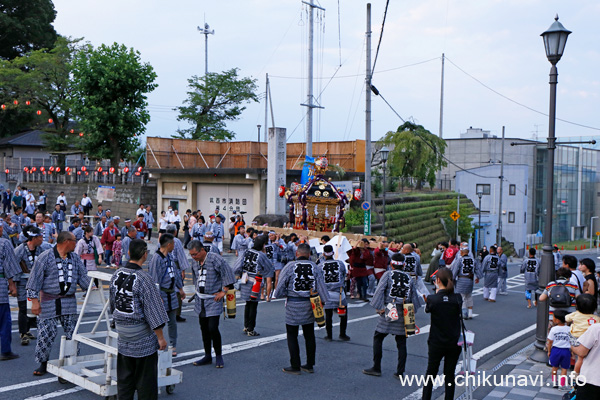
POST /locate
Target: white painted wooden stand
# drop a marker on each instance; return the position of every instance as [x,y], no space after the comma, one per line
[98,372]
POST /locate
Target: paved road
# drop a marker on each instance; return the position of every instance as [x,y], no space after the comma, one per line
[253,365]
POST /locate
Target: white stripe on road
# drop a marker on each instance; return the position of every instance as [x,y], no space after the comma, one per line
[418,394]
[227,349]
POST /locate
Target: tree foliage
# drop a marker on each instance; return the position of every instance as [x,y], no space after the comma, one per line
[26,25]
[213,100]
[465,223]
[415,153]
[42,78]
[111,83]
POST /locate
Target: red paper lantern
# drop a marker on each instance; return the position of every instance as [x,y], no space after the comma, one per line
[42,169]
[16,102]
[26,169]
[72,131]
[78,172]
[140,169]
[39,112]
[57,169]
[68,169]
[126,169]
[105,173]
[33,169]
[281,191]
[4,106]
[357,194]
[87,173]
[80,134]
[28,103]
[6,171]
[137,174]
[49,172]
[50,120]
[44,173]
[99,169]
[84,168]
[51,168]
[112,170]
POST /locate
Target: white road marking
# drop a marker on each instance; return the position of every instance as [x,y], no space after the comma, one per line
[227,349]
[418,394]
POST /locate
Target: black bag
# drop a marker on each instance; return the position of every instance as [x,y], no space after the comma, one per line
[559,296]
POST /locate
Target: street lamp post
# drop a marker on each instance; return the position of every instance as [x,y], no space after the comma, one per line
[480,195]
[385,152]
[592,230]
[555,39]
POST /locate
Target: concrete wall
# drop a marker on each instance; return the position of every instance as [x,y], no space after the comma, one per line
[127,197]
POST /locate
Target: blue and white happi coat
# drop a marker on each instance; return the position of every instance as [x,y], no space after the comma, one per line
[334,273]
[9,268]
[254,262]
[163,271]
[464,271]
[209,279]
[296,281]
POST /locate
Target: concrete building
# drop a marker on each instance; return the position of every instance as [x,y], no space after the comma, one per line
[577,181]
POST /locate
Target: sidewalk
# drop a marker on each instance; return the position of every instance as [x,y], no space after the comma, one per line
[536,376]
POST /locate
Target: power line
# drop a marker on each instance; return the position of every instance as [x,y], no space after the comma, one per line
[516,102]
[387,3]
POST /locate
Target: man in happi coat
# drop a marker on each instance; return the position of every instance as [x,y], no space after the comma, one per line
[255,263]
[466,270]
[165,273]
[395,287]
[51,288]
[139,316]
[296,282]
[213,277]
[181,261]
[334,273]
[490,267]
[9,269]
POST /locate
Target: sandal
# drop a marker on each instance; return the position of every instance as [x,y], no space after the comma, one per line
[174,354]
[40,372]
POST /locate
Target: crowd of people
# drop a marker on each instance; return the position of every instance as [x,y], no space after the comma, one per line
[45,257]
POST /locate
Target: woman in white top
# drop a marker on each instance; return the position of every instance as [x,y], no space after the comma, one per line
[163,222]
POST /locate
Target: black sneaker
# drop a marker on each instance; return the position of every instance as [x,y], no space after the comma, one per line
[307,368]
[372,372]
[290,370]
[252,333]
[24,339]
[344,338]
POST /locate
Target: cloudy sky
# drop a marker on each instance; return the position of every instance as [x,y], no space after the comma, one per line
[494,41]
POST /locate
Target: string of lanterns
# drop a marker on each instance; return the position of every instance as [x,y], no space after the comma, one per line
[82,171]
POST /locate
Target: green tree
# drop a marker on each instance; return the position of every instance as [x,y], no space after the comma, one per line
[26,25]
[465,223]
[416,153]
[40,80]
[213,100]
[111,83]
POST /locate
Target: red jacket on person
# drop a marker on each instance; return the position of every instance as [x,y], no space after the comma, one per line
[449,255]
[359,259]
[108,238]
[381,261]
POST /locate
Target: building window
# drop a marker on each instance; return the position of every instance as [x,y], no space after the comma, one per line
[174,204]
[483,187]
[511,217]
[512,190]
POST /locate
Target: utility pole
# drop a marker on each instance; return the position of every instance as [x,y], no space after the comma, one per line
[442,100]
[368,150]
[310,98]
[499,238]
[266,107]
[206,31]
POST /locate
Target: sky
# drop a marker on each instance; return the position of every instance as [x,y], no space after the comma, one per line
[494,59]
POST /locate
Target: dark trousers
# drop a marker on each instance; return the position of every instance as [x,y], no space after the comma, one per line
[149,234]
[186,238]
[107,256]
[378,351]
[25,323]
[210,335]
[6,208]
[329,322]
[250,315]
[588,391]
[362,283]
[450,354]
[308,331]
[137,374]
[42,207]
[5,329]
[180,303]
